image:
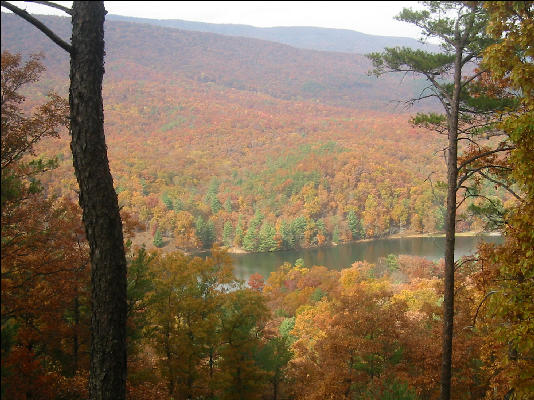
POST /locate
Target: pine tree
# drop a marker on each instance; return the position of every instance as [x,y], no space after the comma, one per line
[228,233]
[158,239]
[461,28]
[355,225]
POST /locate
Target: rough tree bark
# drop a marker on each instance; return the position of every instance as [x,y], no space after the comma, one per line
[98,200]
[450,232]
[97,197]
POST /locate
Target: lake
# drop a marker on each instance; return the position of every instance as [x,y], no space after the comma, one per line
[343,256]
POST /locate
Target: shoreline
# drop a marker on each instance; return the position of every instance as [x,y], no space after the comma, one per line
[238,250]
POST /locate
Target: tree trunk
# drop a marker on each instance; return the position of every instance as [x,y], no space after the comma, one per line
[452,178]
[98,200]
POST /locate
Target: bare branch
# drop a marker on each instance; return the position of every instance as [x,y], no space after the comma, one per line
[501,184]
[39,25]
[460,263]
[468,81]
[469,173]
[480,305]
[487,153]
[53,5]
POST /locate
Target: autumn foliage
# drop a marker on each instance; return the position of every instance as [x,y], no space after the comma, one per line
[221,157]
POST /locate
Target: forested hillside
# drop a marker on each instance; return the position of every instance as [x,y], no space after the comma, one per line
[144,52]
[218,142]
[245,142]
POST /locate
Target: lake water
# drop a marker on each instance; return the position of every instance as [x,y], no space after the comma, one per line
[343,256]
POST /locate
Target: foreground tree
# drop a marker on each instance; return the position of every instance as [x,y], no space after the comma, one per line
[97,196]
[461,29]
[43,255]
[507,271]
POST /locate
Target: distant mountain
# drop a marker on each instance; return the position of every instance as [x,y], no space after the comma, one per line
[298,135]
[304,37]
[144,52]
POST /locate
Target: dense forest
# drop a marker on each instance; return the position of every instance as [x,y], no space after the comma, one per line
[268,163]
[231,143]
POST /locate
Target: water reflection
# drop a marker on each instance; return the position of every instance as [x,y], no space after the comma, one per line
[343,256]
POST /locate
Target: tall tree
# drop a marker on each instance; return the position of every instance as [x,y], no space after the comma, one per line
[460,26]
[97,196]
[507,271]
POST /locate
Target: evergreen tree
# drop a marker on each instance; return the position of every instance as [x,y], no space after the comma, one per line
[355,225]
[298,227]
[288,238]
[238,237]
[158,239]
[335,235]
[205,231]
[178,205]
[251,238]
[460,26]
[227,233]
[266,239]
[167,201]
[215,204]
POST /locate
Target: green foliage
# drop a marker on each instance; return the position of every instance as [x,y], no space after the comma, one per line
[242,316]
[335,235]
[286,326]
[228,205]
[211,198]
[15,185]
[215,205]
[139,285]
[8,339]
[267,241]
[321,227]
[355,225]
[178,205]
[429,119]
[167,201]
[238,237]
[274,357]
[9,333]
[158,239]
[317,295]
[298,227]
[228,233]
[251,238]
[406,59]
[288,238]
[492,212]
[205,231]
[392,262]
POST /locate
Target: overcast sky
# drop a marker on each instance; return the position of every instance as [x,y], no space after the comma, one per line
[371,17]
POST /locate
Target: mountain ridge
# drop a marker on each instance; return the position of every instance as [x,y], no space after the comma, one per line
[279,70]
[305,37]
[203,128]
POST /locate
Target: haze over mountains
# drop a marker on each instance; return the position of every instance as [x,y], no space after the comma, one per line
[304,37]
[143,51]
